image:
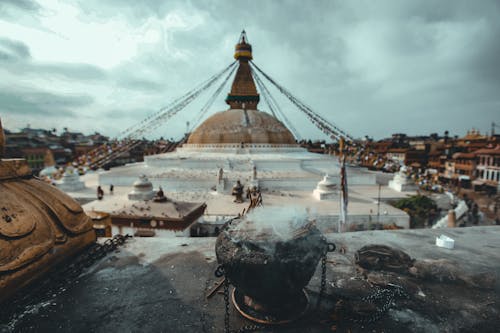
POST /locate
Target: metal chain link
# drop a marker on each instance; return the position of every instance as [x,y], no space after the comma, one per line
[383,299]
[61,279]
[322,287]
[220,272]
[227,328]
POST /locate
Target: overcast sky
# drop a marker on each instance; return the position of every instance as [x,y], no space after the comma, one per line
[371,67]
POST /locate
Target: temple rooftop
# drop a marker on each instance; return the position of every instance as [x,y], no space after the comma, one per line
[158,284]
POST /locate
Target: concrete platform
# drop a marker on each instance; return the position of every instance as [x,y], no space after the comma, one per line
[362,203]
[159,285]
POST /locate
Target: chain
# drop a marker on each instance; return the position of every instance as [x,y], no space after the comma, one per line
[61,279]
[220,272]
[330,248]
[383,300]
[322,287]
[227,328]
[89,257]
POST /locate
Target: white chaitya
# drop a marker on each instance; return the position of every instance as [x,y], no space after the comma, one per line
[402,181]
[142,189]
[49,172]
[70,181]
[326,189]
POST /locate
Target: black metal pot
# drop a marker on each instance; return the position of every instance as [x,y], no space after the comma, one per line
[269,271]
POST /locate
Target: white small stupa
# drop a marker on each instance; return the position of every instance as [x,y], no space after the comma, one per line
[402,182]
[70,181]
[143,189]
[326,189]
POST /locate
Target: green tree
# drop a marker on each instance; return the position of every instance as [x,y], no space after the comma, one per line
[422,210]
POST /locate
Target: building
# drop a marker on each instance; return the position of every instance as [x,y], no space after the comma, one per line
[416,158]
[488,168]
[473,141]
[397,155]
[437,161]
[35,157]
[465,168]
[449,171]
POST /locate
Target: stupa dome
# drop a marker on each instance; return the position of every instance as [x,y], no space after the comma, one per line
[242,123]
[143,189]
[241,126]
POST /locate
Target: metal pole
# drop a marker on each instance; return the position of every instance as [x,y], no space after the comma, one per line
[378,203]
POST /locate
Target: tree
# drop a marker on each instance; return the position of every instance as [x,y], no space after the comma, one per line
[422,210]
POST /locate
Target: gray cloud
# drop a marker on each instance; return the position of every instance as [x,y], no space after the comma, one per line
[136,11]
[371,67]
[12,50]
[16,58]
[24,5]
[125,77]
[29,102]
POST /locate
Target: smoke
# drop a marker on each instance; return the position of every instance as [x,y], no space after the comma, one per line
[270,224]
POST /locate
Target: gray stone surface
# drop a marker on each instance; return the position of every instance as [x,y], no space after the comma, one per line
[158,285]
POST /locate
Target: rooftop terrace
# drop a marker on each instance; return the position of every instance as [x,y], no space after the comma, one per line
[159,284]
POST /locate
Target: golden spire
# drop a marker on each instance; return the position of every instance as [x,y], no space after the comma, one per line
[243,50]
[243,93]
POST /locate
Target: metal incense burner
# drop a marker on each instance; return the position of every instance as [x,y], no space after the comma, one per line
[269,273]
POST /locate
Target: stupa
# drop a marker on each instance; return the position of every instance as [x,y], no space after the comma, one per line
[326,189]
[402,182]
[142,189]
[240,141]
[242,124]
[70,181]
